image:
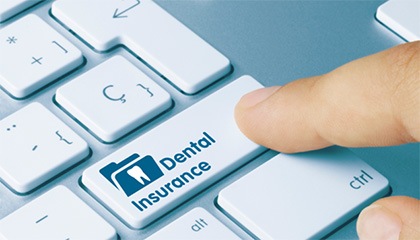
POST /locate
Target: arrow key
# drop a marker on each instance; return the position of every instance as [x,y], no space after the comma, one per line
[177,53]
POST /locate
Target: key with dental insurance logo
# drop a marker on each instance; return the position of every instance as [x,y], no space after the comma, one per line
[168,165]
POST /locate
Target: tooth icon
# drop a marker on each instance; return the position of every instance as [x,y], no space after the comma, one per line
[137,173]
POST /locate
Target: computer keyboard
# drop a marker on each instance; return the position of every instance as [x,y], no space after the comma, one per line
[124,115]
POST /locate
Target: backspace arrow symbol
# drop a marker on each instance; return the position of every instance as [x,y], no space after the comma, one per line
[120,14]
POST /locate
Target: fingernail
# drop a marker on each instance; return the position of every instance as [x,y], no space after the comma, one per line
[253,98]
[377,222]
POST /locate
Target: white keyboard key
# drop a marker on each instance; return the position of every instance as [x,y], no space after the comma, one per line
[402,17]
[176,160]
[32,55]
[57,214]
[120,98]
[34,146]
[303,196]
[197,224]
[9,8]
[150,32]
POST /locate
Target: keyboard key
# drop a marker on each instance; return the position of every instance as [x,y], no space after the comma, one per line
[9,8]
[32,55]
[151,33]
[402,17]
[113,99]
[35,146]
[176,160]
[303,196]
[58,214]
[197,224]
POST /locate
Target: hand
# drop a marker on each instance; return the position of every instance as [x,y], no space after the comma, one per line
[372,101]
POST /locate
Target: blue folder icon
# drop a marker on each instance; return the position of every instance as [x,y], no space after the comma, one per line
[132,174]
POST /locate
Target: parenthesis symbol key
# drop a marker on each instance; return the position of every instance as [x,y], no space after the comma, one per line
[62,138]
[146,88]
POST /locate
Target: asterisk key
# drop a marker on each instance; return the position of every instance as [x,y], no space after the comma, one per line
[11,40]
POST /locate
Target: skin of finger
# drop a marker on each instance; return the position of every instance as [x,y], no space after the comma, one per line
[372,101]
[407,93]
[386,100]
[280,121]
[408,210]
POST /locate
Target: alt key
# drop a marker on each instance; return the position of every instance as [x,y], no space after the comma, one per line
[196,224]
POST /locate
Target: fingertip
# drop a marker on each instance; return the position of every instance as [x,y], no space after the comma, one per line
[276,117]
[396,216]
[377,222]
[253,98]
[246,119]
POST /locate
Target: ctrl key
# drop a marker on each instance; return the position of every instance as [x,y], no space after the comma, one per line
[303,196]
[58,214]
[196,224]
